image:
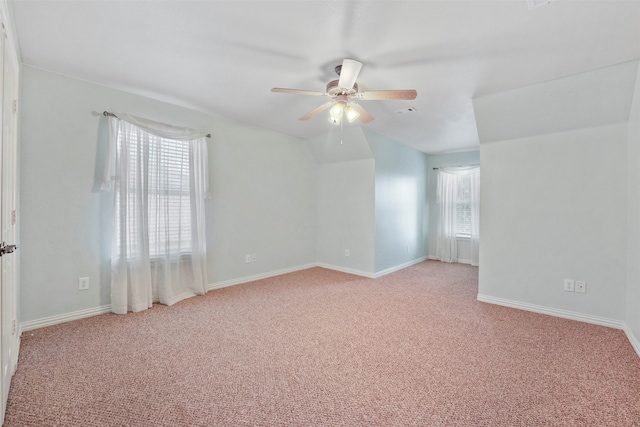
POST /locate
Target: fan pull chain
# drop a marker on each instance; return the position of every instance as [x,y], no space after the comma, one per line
[340,132]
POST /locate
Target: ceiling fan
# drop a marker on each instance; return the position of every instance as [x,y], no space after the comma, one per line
[343,93]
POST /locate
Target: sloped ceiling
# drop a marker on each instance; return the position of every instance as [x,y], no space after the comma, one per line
[223,57]
[595,98]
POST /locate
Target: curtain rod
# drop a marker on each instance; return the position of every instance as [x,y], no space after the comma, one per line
[108,114]
[457,166]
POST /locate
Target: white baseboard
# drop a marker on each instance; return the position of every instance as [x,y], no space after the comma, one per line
[347,270]
[66,317]
[565,314]
[635,343]
[399,267]
[460,261]
[254,277]
[245,279]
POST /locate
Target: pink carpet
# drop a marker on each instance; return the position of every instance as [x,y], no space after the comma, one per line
[322,348]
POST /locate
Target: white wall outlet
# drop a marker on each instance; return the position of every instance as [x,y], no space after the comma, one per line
[581,286]
[83,283]
[253,257]
[569,285]
[347,252]
[247,258]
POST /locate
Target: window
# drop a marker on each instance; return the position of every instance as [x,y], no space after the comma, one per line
[458,194]
[163,166]
[463,207]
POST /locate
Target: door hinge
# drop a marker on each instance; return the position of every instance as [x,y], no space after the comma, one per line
[13,327]
[14,217]
[15,106]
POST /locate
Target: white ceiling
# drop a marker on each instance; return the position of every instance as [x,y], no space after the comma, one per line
[223,57]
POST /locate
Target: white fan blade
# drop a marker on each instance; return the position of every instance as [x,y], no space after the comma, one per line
[298,91]
[373,95]
[317,110]
[364,116]
[349,73]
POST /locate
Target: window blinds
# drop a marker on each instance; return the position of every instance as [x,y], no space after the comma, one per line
[163,166]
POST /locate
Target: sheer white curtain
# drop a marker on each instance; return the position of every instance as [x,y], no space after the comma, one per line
[449,204]
[159,174]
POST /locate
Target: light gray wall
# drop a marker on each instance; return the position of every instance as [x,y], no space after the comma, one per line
[555,202]
[345,215]
[263,185]
[341,145]
[401,204]
[345,200]
[264,202]
[633,218]
[441,160]
[555,207]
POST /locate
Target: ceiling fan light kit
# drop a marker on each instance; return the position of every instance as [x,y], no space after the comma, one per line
[344,89]
[337,109]
[340,109]
[351,113]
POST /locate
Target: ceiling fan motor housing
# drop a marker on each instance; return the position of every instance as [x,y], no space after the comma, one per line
[334,90]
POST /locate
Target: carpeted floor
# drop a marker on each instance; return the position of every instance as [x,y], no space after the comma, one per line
[323,348]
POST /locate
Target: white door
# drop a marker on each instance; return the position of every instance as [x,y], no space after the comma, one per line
[9,341]
[5,312]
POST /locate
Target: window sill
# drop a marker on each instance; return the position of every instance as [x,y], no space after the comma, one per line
[154,259]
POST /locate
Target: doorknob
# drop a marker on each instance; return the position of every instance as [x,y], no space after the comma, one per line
[7,249]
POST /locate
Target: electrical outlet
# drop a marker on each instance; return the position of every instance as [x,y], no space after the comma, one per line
[581,286]
[247,258]
[347,252]
[569,285]
[83,283]
[253,257]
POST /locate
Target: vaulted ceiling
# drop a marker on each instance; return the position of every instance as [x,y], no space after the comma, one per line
[223,57]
